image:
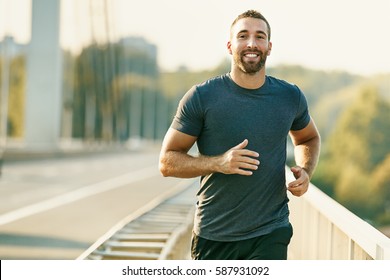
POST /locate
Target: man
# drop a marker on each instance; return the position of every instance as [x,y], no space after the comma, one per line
[240,122]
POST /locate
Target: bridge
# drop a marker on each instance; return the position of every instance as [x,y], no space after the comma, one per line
[74,163]
[115,205]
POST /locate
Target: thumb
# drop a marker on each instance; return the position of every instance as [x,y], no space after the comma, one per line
[242,145]
[296,170]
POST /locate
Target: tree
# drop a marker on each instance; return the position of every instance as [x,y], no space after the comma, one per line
[357,146]
[381,184]
[362,134]
[16,97]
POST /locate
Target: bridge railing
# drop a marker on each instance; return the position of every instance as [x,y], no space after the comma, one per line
[324,229]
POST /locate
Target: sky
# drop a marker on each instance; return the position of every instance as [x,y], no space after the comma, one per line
[351,35]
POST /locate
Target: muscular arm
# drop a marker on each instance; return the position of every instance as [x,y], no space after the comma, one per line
[307,144]
[176,162]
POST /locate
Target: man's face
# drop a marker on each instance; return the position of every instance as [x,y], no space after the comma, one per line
[249,45]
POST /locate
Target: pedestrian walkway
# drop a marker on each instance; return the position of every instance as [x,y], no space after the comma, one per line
[162,232]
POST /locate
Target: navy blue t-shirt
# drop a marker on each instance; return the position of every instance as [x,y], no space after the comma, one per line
[221,115]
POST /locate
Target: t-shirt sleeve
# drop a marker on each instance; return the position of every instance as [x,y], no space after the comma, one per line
[189,116]
[302,118]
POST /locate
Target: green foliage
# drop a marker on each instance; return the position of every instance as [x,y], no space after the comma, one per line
[325,175]
[354,190]
[354,161]
[381,185]
[363,131]
[176,84]
[16,96]
[327,110]
[314,83]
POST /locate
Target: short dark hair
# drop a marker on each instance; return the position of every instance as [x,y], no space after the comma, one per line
[253,14]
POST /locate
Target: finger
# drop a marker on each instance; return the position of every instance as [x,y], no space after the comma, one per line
[296,170]
[294,188]
[242,145]
[248,153]
[244,165]
[295,183]
[296,192]
[243,172]
[244,153]
[298,189]
[249,160]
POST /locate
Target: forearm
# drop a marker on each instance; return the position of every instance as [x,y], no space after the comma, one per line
[307,154]
[182,165]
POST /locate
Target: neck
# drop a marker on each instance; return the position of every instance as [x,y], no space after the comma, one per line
[249,81]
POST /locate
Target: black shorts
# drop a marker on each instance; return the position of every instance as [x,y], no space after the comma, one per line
[272,246]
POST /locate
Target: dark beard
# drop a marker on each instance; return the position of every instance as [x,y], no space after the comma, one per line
[250,68]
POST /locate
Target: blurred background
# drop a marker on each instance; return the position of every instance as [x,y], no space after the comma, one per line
[100,80]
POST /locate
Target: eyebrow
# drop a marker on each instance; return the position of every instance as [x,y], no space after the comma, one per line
[258,32]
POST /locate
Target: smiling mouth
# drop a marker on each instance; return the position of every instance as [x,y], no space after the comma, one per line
[251,55]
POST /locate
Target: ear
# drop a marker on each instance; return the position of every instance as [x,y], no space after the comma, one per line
[269,48]
[229,47]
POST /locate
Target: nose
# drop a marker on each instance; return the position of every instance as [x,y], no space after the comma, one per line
[251,43]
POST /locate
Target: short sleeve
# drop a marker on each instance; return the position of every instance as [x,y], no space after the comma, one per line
[189,115]
[302,117]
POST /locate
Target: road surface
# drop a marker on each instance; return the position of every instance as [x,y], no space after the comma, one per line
[57,208]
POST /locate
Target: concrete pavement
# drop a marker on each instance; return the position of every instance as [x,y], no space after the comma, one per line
[56,208]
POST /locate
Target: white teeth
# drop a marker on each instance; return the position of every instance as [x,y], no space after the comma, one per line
[251,55]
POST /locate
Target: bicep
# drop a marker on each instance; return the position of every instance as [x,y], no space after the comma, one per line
[303,135]
[175,140]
